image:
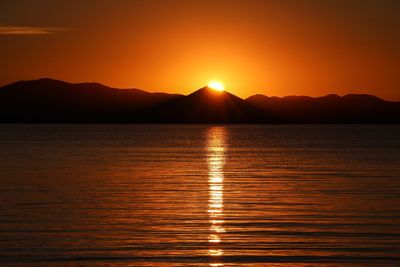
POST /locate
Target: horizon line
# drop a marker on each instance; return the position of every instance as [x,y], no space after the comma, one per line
[155,92]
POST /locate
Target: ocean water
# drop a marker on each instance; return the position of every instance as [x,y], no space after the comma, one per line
[199,195]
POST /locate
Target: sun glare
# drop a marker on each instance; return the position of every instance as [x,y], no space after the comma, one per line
[216,86]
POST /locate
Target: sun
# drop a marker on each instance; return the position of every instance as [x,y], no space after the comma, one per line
[218,86]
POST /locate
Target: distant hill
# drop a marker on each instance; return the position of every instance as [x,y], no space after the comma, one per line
[53,101]
[48,100]
[352,108]
[209,106]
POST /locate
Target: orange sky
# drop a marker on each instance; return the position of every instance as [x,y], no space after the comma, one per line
[299,47]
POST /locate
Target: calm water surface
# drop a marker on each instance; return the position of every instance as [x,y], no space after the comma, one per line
[173,195]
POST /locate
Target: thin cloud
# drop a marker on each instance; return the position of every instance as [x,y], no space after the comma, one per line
[27,30]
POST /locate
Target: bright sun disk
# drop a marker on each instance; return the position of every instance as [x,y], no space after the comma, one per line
[216,86]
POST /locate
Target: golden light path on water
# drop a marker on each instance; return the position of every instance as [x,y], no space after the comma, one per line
[216,149]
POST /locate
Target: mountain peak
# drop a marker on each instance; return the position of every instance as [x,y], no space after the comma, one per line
[211,95]
[50,100]
[206,90]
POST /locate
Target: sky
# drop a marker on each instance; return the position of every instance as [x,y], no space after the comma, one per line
[276,48]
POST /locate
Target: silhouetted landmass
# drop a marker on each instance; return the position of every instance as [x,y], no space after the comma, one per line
[209,106]
[352,108]
[52,101]
[48,100]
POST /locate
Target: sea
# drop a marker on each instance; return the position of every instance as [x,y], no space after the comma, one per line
[199,195]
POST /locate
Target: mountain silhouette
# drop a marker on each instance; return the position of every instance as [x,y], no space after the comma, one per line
[52,101]
[350,108]
[48,100]
[208,106]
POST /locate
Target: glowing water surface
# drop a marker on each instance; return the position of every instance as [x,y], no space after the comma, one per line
[199,195]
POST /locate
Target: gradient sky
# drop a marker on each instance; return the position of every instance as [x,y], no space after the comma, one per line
[282,47]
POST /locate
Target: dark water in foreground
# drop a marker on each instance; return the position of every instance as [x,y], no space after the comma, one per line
[153,195]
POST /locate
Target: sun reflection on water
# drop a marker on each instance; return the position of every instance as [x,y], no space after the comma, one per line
[216,148]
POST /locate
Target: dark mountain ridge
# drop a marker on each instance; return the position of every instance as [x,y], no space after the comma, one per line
[48,100]
[209,106]
[351,108]
[52,101]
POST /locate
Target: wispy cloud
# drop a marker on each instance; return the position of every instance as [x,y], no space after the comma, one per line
[28,30]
